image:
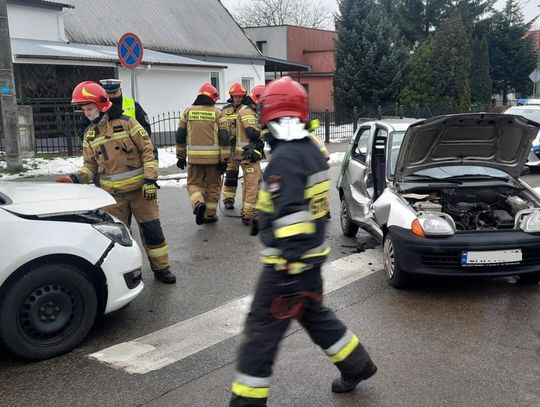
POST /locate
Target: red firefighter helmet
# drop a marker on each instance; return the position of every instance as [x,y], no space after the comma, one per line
[209,90]
[256,93]
[284,98]
[237,89]
[91,92]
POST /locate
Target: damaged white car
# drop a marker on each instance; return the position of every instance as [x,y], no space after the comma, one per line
[447,199]
[63,261]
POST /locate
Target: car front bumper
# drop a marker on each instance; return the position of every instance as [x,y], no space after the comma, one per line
[122,267]
[443,255]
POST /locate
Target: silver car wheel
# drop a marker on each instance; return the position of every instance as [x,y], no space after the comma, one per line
[389,258]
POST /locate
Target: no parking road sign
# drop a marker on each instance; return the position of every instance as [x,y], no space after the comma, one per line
[130,51]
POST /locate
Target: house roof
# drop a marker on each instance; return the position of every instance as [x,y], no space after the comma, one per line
[26,48]
[184,27]
[41,3]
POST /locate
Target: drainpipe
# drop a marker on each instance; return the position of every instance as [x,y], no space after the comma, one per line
[60,24]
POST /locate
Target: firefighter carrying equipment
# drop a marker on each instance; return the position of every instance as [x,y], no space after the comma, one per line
[91,92]
[149,190]
[292,203]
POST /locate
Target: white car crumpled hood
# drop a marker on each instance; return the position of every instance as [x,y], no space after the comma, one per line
[483,139]
[40,198]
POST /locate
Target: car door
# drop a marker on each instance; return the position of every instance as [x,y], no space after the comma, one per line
[357,180]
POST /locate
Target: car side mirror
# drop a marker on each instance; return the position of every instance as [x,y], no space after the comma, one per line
[525,170]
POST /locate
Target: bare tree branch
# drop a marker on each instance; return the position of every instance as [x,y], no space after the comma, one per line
[305,13]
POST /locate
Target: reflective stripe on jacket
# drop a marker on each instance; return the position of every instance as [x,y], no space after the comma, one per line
[292,203]
[202,135]
[120,152]
[246,119]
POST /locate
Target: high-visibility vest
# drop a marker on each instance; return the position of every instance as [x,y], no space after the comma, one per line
[128,106]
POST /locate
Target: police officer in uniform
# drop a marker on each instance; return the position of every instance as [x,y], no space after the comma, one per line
[202,143]
[292,203]
[119,150]
[130,106]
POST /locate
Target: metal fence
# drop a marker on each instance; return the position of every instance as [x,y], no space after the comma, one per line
[58,126]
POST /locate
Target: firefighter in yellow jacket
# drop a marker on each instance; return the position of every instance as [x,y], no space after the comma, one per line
[117,148]
[202,140]
[248,151]
[230,110]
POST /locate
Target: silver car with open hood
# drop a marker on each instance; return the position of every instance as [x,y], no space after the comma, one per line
[448,199]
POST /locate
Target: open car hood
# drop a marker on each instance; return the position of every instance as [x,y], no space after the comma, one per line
[40,198]
[484,139]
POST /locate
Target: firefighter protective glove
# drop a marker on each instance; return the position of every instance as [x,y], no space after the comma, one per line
[181,163]
[254,151]
[222,167]
[149,190]
[68,179]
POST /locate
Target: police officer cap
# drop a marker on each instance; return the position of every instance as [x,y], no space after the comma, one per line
[110,85]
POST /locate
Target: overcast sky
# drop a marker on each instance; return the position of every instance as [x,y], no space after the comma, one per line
[530,7]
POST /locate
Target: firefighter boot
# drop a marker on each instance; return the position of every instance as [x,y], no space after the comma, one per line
[229,204]
[165,276]
[351,377]
[199,211]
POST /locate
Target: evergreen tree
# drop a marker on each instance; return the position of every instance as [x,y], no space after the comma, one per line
[480,77]
[512,58]
[451,63]
[370,56]
[418,74]
[438,73]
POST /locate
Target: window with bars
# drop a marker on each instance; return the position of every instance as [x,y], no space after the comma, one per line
[214,80]
[246,83]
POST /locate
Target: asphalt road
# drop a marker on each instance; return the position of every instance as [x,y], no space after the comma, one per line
[443,343]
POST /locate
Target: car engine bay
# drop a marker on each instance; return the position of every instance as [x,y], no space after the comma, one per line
[473,208]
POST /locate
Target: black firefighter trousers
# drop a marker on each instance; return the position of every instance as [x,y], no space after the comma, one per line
[264,332]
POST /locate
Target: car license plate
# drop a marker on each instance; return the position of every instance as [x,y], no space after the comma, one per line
[492,257]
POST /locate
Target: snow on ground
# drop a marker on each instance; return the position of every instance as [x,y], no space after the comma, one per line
[35,167]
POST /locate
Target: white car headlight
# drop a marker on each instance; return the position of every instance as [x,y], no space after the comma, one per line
[436,224]
[117,232]
[531,223]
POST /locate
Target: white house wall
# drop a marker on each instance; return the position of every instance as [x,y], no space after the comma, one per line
[163,89]
[35,23]
[237,72]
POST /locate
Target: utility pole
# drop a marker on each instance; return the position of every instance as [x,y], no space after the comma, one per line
[8,99]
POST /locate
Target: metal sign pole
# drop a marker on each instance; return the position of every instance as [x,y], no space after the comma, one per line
[133,84]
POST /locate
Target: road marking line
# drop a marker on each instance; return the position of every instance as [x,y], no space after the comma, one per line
[169,345]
